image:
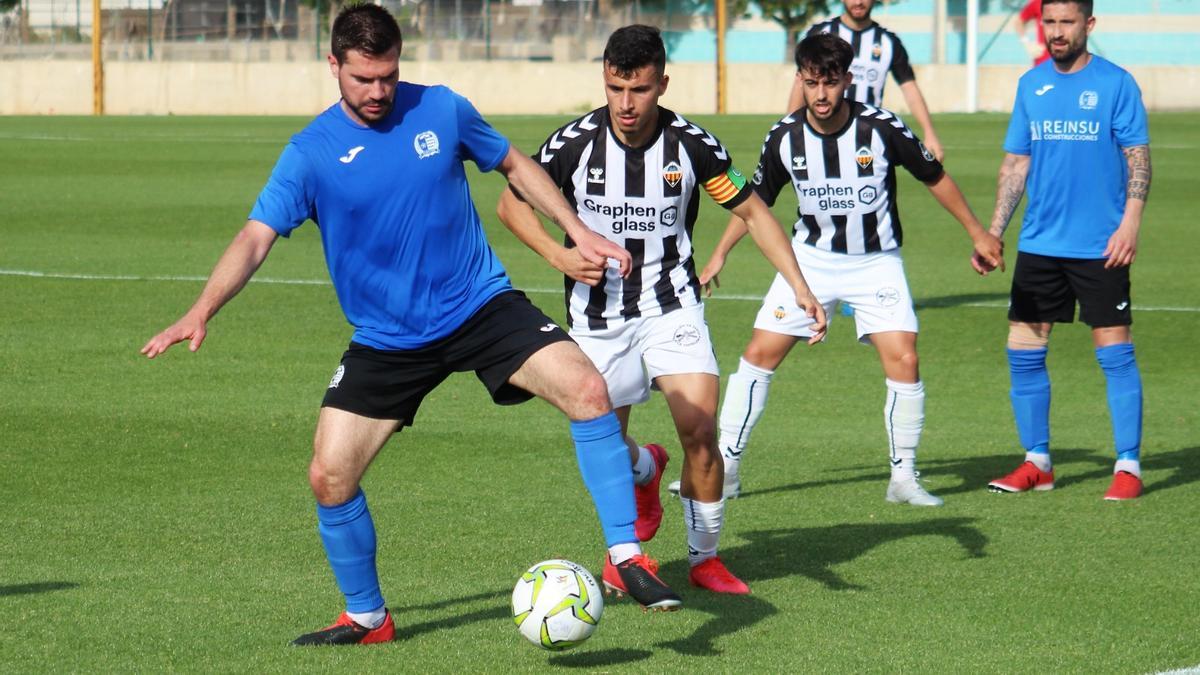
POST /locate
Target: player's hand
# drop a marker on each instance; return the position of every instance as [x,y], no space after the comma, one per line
[572,263]
[600,251]
[1122,247]
[806,301]
[934,145]
[187,328]
[988,254]
[708,276]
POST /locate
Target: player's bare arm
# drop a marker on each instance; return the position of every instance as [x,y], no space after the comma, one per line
[1122,245]
[239,262]
[989,249]
[734,231]
[528,179]
[768,235]
[520,219]
[919,110]
[1009,191]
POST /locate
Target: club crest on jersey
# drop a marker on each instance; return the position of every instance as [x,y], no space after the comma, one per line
[864,157]
[877,51]
[426,144]
[595,175]
[1088,100]
[672,173]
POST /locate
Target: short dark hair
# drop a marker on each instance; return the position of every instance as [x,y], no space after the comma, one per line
[632,47]
[1085,6]
[824,54]
[364,27]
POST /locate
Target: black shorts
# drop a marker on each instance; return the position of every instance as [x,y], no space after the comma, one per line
[495,342]
[1045,289]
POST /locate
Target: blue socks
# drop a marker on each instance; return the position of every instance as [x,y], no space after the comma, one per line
[1124,398]
[348,534]
[604,464]
[1030,395]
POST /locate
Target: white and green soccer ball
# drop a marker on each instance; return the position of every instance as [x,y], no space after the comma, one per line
[557,604]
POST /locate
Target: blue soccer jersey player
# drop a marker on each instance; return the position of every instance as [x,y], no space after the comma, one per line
[382,174]
[1077,143]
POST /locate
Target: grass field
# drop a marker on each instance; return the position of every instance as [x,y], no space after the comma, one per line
[158,518]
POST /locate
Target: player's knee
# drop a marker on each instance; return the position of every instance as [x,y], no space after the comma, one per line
[589,397]
[329,486]
[761,356]
[700,437]
[1024,336]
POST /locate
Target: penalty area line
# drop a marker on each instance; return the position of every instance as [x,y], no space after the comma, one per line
[730,297]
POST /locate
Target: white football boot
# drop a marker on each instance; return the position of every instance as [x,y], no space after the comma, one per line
[910,491]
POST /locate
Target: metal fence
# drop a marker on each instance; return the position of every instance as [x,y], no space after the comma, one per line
[287,30]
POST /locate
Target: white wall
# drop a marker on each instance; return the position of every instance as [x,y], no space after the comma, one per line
[496,87]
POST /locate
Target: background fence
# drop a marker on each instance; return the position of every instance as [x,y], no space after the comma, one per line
[1130,32]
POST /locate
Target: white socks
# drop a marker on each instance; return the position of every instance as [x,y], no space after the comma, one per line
[703,520]
[745,400]
[369,620]
[619,553]
[644,467]
[1040,459]
[1133,466]
[904,418]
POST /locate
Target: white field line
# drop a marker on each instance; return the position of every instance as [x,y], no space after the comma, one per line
[537,291]
[1194,670]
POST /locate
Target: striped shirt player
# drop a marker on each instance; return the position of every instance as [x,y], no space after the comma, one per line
[845,182]
[644,199]
[841,157]
[877,51]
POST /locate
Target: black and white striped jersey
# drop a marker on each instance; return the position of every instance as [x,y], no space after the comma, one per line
[645,199]
[876,51]
[845,181]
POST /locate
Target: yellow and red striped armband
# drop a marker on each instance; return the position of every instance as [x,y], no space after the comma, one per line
[724,187]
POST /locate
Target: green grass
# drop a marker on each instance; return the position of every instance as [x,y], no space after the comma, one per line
[158,516]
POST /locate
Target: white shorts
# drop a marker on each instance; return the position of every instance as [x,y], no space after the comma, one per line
[632,354]
[873,284]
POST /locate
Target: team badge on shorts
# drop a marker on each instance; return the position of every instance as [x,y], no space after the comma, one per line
[887,296]
[780,313]
[686,335]
[337,377]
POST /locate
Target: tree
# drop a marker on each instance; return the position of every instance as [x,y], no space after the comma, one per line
[6,5]
[793,15]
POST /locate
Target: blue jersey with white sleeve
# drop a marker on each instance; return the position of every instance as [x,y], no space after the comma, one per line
[403,242]
[1073,127]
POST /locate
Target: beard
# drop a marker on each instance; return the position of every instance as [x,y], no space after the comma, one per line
[369,117]
[1069,53]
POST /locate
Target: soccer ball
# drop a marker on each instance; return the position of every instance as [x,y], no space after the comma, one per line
[557,604]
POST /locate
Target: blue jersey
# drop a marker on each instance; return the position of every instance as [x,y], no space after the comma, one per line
[1073,128]
[404,245]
